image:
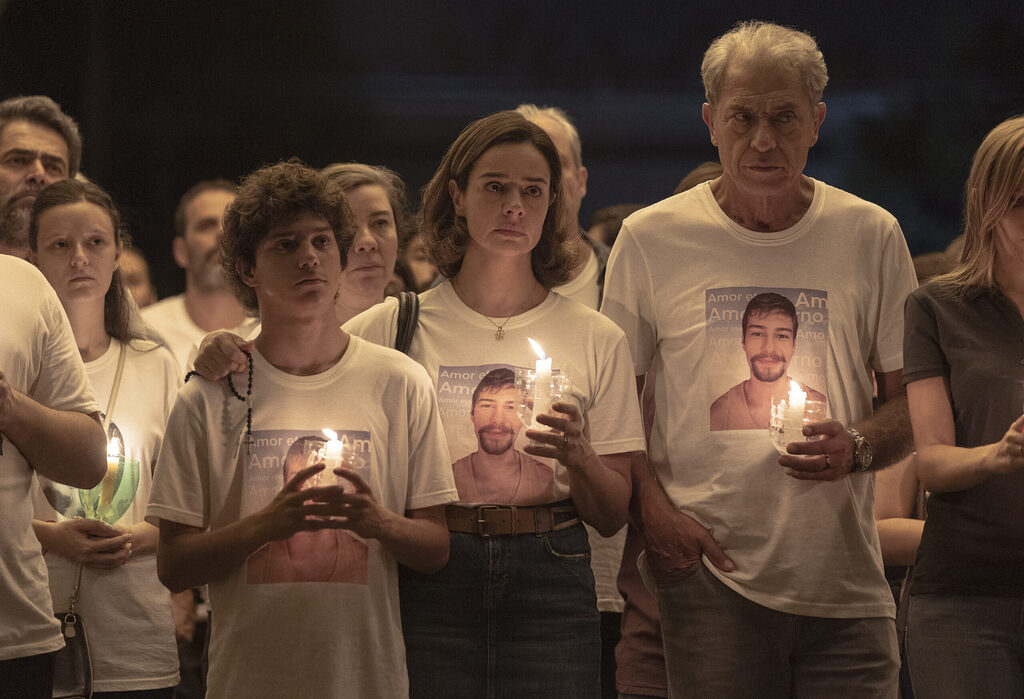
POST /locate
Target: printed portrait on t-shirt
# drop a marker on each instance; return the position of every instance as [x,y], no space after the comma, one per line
[325,555]
[762,344]
[484,422]
[115,493]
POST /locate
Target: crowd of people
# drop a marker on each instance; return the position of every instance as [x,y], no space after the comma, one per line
[643,459]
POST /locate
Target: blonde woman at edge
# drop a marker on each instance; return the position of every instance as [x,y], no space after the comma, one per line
[965,384]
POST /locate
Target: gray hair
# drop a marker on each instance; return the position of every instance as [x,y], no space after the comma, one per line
[43,111]
[765,43]
[533,112]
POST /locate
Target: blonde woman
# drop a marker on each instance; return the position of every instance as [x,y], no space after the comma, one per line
[965,383]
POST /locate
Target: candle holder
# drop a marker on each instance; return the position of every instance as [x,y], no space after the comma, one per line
[111,498]
[786,424]
[532,402]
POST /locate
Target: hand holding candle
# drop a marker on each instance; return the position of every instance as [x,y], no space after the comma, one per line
[789,417]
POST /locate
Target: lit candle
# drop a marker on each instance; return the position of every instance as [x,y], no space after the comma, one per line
[113,461]
[332,457]
[541,385]
[797,398]
[793,417]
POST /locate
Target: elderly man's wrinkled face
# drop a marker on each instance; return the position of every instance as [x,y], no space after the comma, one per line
[763,124]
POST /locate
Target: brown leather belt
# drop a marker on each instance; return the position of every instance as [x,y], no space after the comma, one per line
[500,520]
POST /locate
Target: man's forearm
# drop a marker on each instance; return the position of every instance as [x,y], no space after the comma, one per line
[889,433]
[648,493]
[189,557]
[65,446]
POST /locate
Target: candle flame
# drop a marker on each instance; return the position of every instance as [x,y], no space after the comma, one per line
[113,447]
[537,348]
[797,396]
[330,434]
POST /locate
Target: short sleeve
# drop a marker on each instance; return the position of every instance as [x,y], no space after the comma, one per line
[376,324]
[62,383]
[923,357]
[628,299]
[180,490]
[896,280]
[431,481]
[613,422]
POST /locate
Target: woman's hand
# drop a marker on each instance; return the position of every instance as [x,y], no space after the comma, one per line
[598,484]
[87,541]
[1007,455]
[221,353]
[566,441]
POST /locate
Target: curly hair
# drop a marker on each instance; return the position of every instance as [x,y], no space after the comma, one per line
[351,176]
[117,310]
[445,234]
[271,196]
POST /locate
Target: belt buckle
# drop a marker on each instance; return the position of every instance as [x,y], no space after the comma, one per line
[481,519]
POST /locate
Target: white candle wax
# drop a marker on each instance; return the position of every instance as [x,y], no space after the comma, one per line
[542,391]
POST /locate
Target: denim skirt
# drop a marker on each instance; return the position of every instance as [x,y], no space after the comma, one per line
[508,616]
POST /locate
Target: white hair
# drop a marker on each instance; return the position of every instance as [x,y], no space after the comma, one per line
[532,112]
[765,43]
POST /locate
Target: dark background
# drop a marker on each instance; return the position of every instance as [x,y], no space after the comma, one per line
[168,93]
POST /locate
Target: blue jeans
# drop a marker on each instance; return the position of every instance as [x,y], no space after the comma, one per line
[720,644]
[508,616]
[966,646]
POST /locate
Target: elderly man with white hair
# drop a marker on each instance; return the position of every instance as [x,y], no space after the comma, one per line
[766,567]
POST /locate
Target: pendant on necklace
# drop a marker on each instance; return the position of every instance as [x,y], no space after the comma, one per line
[499,334]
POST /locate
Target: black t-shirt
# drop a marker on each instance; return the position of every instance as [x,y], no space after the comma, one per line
[973,539]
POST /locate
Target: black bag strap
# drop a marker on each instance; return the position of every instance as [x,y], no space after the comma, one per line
[408,317]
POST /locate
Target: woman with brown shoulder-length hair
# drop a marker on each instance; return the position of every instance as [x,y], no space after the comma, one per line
[515,609]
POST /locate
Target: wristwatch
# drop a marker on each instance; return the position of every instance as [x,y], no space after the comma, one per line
[862,453]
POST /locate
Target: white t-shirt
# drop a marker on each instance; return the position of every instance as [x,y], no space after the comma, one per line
[584,287]
[171,319]
[678,281]
[457,346]
[605,553]
[322,638]
[127,610]
[39,357]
